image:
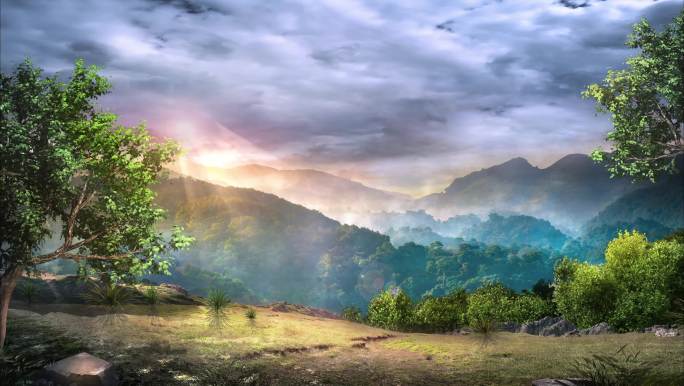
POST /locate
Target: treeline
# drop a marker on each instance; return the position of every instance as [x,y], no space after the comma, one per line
[640,284]
[361,264]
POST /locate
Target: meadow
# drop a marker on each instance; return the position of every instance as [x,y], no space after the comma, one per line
[176,346]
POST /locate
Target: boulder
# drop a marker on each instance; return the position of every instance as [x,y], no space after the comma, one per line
[559,328]
[548,326]
[80,370]
[561,382]
[598,329]
[666,332]
[663,330]
[175,287]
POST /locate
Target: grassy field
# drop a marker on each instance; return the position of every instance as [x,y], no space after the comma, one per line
[178,347]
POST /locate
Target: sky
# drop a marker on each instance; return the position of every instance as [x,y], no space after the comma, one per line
[400,95]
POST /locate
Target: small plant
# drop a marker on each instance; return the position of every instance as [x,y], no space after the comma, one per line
[250,314]
[109,295]
[352,314]
[217,301]
[152,298]
[624,368]
[29,292]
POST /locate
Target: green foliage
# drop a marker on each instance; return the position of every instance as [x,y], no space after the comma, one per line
[635,288]
[217,303]
[352,314]
[584,293]
[650,276]
[624,368]
[489,304]
[646,102]
[391,309]
[441,314]
[250,314]
[62,159]
[528,307]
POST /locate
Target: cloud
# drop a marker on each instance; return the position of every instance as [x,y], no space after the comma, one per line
[346,85]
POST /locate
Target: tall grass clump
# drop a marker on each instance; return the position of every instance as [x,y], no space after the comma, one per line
[151,295]
[624,368]
[217,303]
[109,295]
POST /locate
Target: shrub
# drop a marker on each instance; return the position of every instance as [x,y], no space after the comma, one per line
[528,307]
[391,309]
[250,314]
[441,314]
[489,305]
[352,314]
[584,294]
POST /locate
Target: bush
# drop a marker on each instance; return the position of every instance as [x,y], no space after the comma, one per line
[585,295]
[250,314]
[489,305]
[352,314]
[528,307]
[441,314]
[391,309]
[635,288]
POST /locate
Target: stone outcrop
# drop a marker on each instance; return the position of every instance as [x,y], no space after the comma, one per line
[663,331]
[548,326]
[598,329]
[80,370]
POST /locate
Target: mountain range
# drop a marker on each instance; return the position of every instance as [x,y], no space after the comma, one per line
[568,193]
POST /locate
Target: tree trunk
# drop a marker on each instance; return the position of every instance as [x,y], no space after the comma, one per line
[8,282]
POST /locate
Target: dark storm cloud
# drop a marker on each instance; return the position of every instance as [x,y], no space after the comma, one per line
[346,83]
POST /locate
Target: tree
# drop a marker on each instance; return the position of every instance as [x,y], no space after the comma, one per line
[646,102]
[65,164]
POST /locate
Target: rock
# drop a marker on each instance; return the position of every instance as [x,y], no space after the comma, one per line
[80,370]
[175,287]
[598,329]
[548,326]
[559,328]
[510,327]
[572,333]
[561,382]
[666,332]
[663,330]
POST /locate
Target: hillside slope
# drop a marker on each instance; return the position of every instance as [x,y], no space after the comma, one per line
[333,195]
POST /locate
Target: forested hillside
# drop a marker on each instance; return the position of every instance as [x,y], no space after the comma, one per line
[259,246]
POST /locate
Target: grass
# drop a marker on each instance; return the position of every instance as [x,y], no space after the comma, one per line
[291,348]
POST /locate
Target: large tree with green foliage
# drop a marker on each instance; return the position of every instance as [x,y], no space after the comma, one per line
[646,102]
[64,162]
